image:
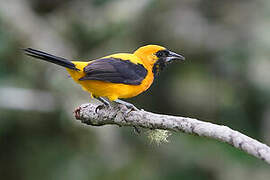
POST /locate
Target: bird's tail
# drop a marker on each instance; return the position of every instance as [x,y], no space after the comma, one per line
[50,58]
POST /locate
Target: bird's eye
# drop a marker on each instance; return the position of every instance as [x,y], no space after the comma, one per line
[159,54]
[162,53]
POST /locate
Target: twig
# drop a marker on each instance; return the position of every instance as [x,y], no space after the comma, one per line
[119,115]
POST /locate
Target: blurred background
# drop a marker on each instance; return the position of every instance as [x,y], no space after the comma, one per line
[225,80]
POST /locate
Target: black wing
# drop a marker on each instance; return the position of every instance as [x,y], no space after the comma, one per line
[115,70]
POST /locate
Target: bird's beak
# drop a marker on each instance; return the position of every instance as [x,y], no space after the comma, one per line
[173,56]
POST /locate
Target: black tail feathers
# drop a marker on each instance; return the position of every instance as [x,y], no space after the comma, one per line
[50,58]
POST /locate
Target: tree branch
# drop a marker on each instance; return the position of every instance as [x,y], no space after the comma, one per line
[120,115]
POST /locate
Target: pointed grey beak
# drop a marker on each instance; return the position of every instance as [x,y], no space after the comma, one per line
[174,56]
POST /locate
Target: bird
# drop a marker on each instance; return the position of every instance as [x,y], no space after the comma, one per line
[117,76]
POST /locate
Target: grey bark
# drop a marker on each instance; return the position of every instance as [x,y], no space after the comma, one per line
[121,116]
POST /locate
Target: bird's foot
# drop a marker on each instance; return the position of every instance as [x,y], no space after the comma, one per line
[105,104]
[101,106]
[130,106]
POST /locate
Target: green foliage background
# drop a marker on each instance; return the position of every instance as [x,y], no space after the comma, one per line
[225,80]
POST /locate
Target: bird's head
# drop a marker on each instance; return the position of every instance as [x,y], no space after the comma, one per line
[157,57]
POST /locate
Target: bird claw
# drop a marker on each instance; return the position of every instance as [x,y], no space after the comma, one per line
[129,106]
[101,106]
[130,109]
[105,104]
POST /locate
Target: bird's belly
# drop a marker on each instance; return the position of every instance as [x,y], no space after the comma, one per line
[112,90]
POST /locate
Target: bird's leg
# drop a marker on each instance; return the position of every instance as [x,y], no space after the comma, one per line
[104,104]
[128,105]
[104,101]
